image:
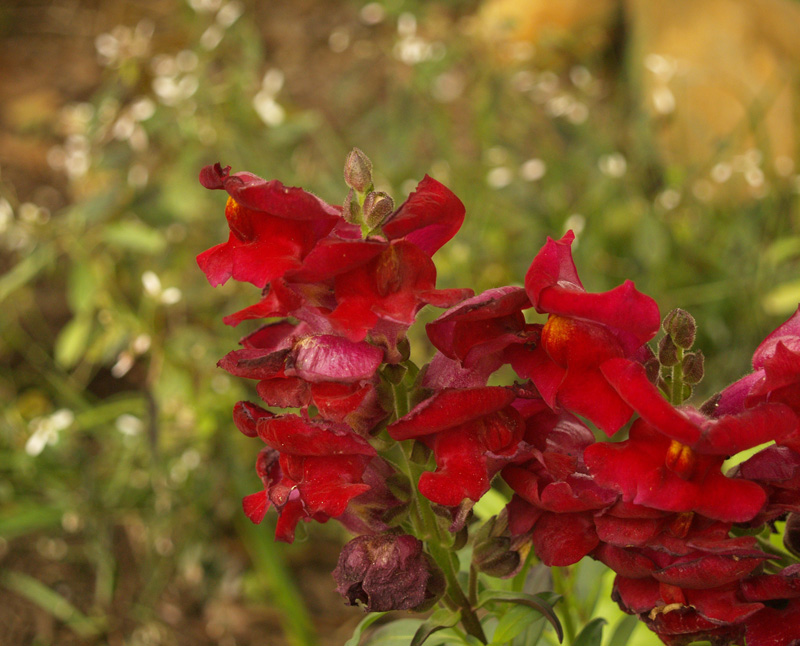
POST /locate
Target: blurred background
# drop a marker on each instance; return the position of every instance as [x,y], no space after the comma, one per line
[664,134]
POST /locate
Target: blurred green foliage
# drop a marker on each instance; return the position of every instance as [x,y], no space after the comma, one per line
[117,452]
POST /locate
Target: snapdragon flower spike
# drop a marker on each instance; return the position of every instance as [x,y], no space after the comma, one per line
[673,457]
[473,433]
[582,331]
[272,227]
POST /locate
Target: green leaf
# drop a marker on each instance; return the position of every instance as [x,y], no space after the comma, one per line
[622,633]
[27,518]
[396,633]
[72,341]
[439,620]
[592,633]
[542,602]
[24,271]
[49,600]
[517,619]
[365,623]
[135,236]
[81,287]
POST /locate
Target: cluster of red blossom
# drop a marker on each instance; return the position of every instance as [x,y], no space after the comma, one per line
[345,284]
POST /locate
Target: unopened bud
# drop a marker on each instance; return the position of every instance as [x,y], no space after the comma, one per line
[681,326]
[358,171]
[492,553]
[791,533]
[351,211]
[667,351]
[377,205]
[692,367]
[652,369]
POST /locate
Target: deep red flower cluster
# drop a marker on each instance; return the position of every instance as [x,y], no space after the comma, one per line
[342,304]
[656,507]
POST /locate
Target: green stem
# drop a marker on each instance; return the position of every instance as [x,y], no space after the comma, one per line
[472,588]
[560,586]
[676,392]
[427,529]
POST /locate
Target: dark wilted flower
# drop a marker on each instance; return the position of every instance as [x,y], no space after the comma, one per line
[388,572]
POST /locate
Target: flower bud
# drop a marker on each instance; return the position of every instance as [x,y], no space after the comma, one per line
[492,553]
[667,351]
[692,367]
[377,205]
[358,171]
[791,533]
[652,368]
[351,211]
[388,572]
[681,326]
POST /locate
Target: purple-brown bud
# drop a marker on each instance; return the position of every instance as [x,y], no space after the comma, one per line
[791,533]
[377,206]
[681,326]
[693,367]
[492,553]
[388,572]
[358,171]
[667,351]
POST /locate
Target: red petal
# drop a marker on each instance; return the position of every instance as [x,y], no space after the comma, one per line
[255,506]
[428,218]
[563,539]
[333,358]
[449,408]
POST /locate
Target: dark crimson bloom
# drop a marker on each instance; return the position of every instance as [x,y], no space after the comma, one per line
[777,470]
[582,331]
[680,617]
[478,330]
[473,433]
[388,572]
[673,457]
[555,500]
[272,227]
[779,622]
[776,375]
[312,470]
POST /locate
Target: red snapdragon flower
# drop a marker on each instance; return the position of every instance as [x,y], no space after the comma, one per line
[582,331]
[555,500]
[313,470]
[476,332]
[272,227]
[473,432]
[673,457]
